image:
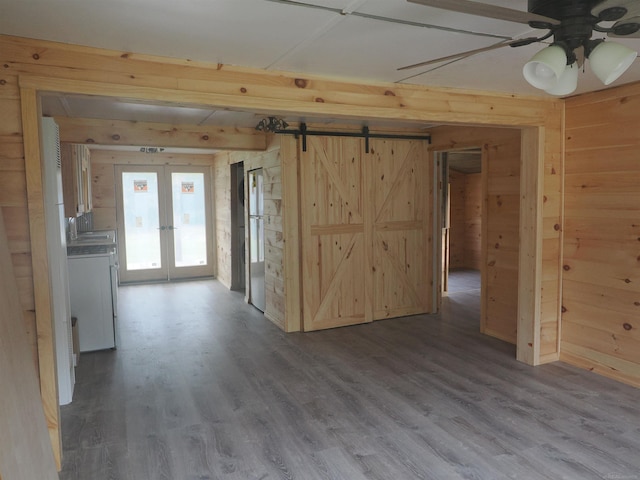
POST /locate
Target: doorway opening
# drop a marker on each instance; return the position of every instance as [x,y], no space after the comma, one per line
[463,201]
[238,238]
[164,220]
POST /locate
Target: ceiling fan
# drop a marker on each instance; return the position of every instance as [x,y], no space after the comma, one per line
[571,23]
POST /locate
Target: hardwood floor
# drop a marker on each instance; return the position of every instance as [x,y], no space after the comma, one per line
[463,280]
[203,387]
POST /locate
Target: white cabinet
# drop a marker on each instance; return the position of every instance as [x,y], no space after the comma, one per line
[92,300]
[76,179]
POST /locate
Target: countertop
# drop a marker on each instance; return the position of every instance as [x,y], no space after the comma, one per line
[93,243]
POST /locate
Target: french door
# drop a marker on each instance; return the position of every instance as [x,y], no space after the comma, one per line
[164,222]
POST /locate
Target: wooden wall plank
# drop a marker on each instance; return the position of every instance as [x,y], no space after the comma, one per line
[25,448]
[601,299]
[530,265]
[291,215]
[117,132]
[465,231]
[457,219]
[473,221]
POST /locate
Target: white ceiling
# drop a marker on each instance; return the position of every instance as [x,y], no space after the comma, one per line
[276,36]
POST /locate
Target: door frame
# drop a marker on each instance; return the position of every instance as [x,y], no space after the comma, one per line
[532,122]
[249,284]
[238,232]
[441,270]
[168,271]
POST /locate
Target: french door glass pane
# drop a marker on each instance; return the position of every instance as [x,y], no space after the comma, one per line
[189,219]
[141,220]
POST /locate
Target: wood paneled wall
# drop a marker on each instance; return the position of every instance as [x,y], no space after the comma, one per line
[465,230]
[270,162]
[473,221]
[601,279]
[501,233]
[25,451]
[32,66]
[457,219]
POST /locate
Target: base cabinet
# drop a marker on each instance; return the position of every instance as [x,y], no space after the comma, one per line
[92,301]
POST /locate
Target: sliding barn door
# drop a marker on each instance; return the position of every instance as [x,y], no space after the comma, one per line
[334,247]
[365,230]
[400,184]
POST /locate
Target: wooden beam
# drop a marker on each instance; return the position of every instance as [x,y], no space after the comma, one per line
[291,230]
[443,106]
[117,132]
[530,262]
[40,264]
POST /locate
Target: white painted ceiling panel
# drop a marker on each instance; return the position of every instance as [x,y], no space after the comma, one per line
[374,52]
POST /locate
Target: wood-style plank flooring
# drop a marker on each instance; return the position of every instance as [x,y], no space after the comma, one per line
[463,280]
[203,387]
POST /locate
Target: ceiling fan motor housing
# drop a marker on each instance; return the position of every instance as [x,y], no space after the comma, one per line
[561,9]
[576,22]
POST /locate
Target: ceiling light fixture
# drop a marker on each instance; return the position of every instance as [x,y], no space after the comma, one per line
[554,69]
[571,23]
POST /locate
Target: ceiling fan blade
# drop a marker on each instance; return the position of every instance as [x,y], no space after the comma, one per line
[626,28]
[632,7]
[486,10]
[468,53]
[512,43]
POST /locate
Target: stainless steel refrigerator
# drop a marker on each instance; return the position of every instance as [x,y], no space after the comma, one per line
[256,238]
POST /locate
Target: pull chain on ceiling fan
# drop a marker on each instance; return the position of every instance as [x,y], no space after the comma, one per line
[571,23]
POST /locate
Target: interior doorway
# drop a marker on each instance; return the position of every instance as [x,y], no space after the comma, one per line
[164,222]
[463,201]
[238,231]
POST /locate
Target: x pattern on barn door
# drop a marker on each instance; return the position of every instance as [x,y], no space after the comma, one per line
[365,230]
[400,180]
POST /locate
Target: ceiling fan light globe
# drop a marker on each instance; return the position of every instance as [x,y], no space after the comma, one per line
[609,60]
[545,68]
[568,81]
